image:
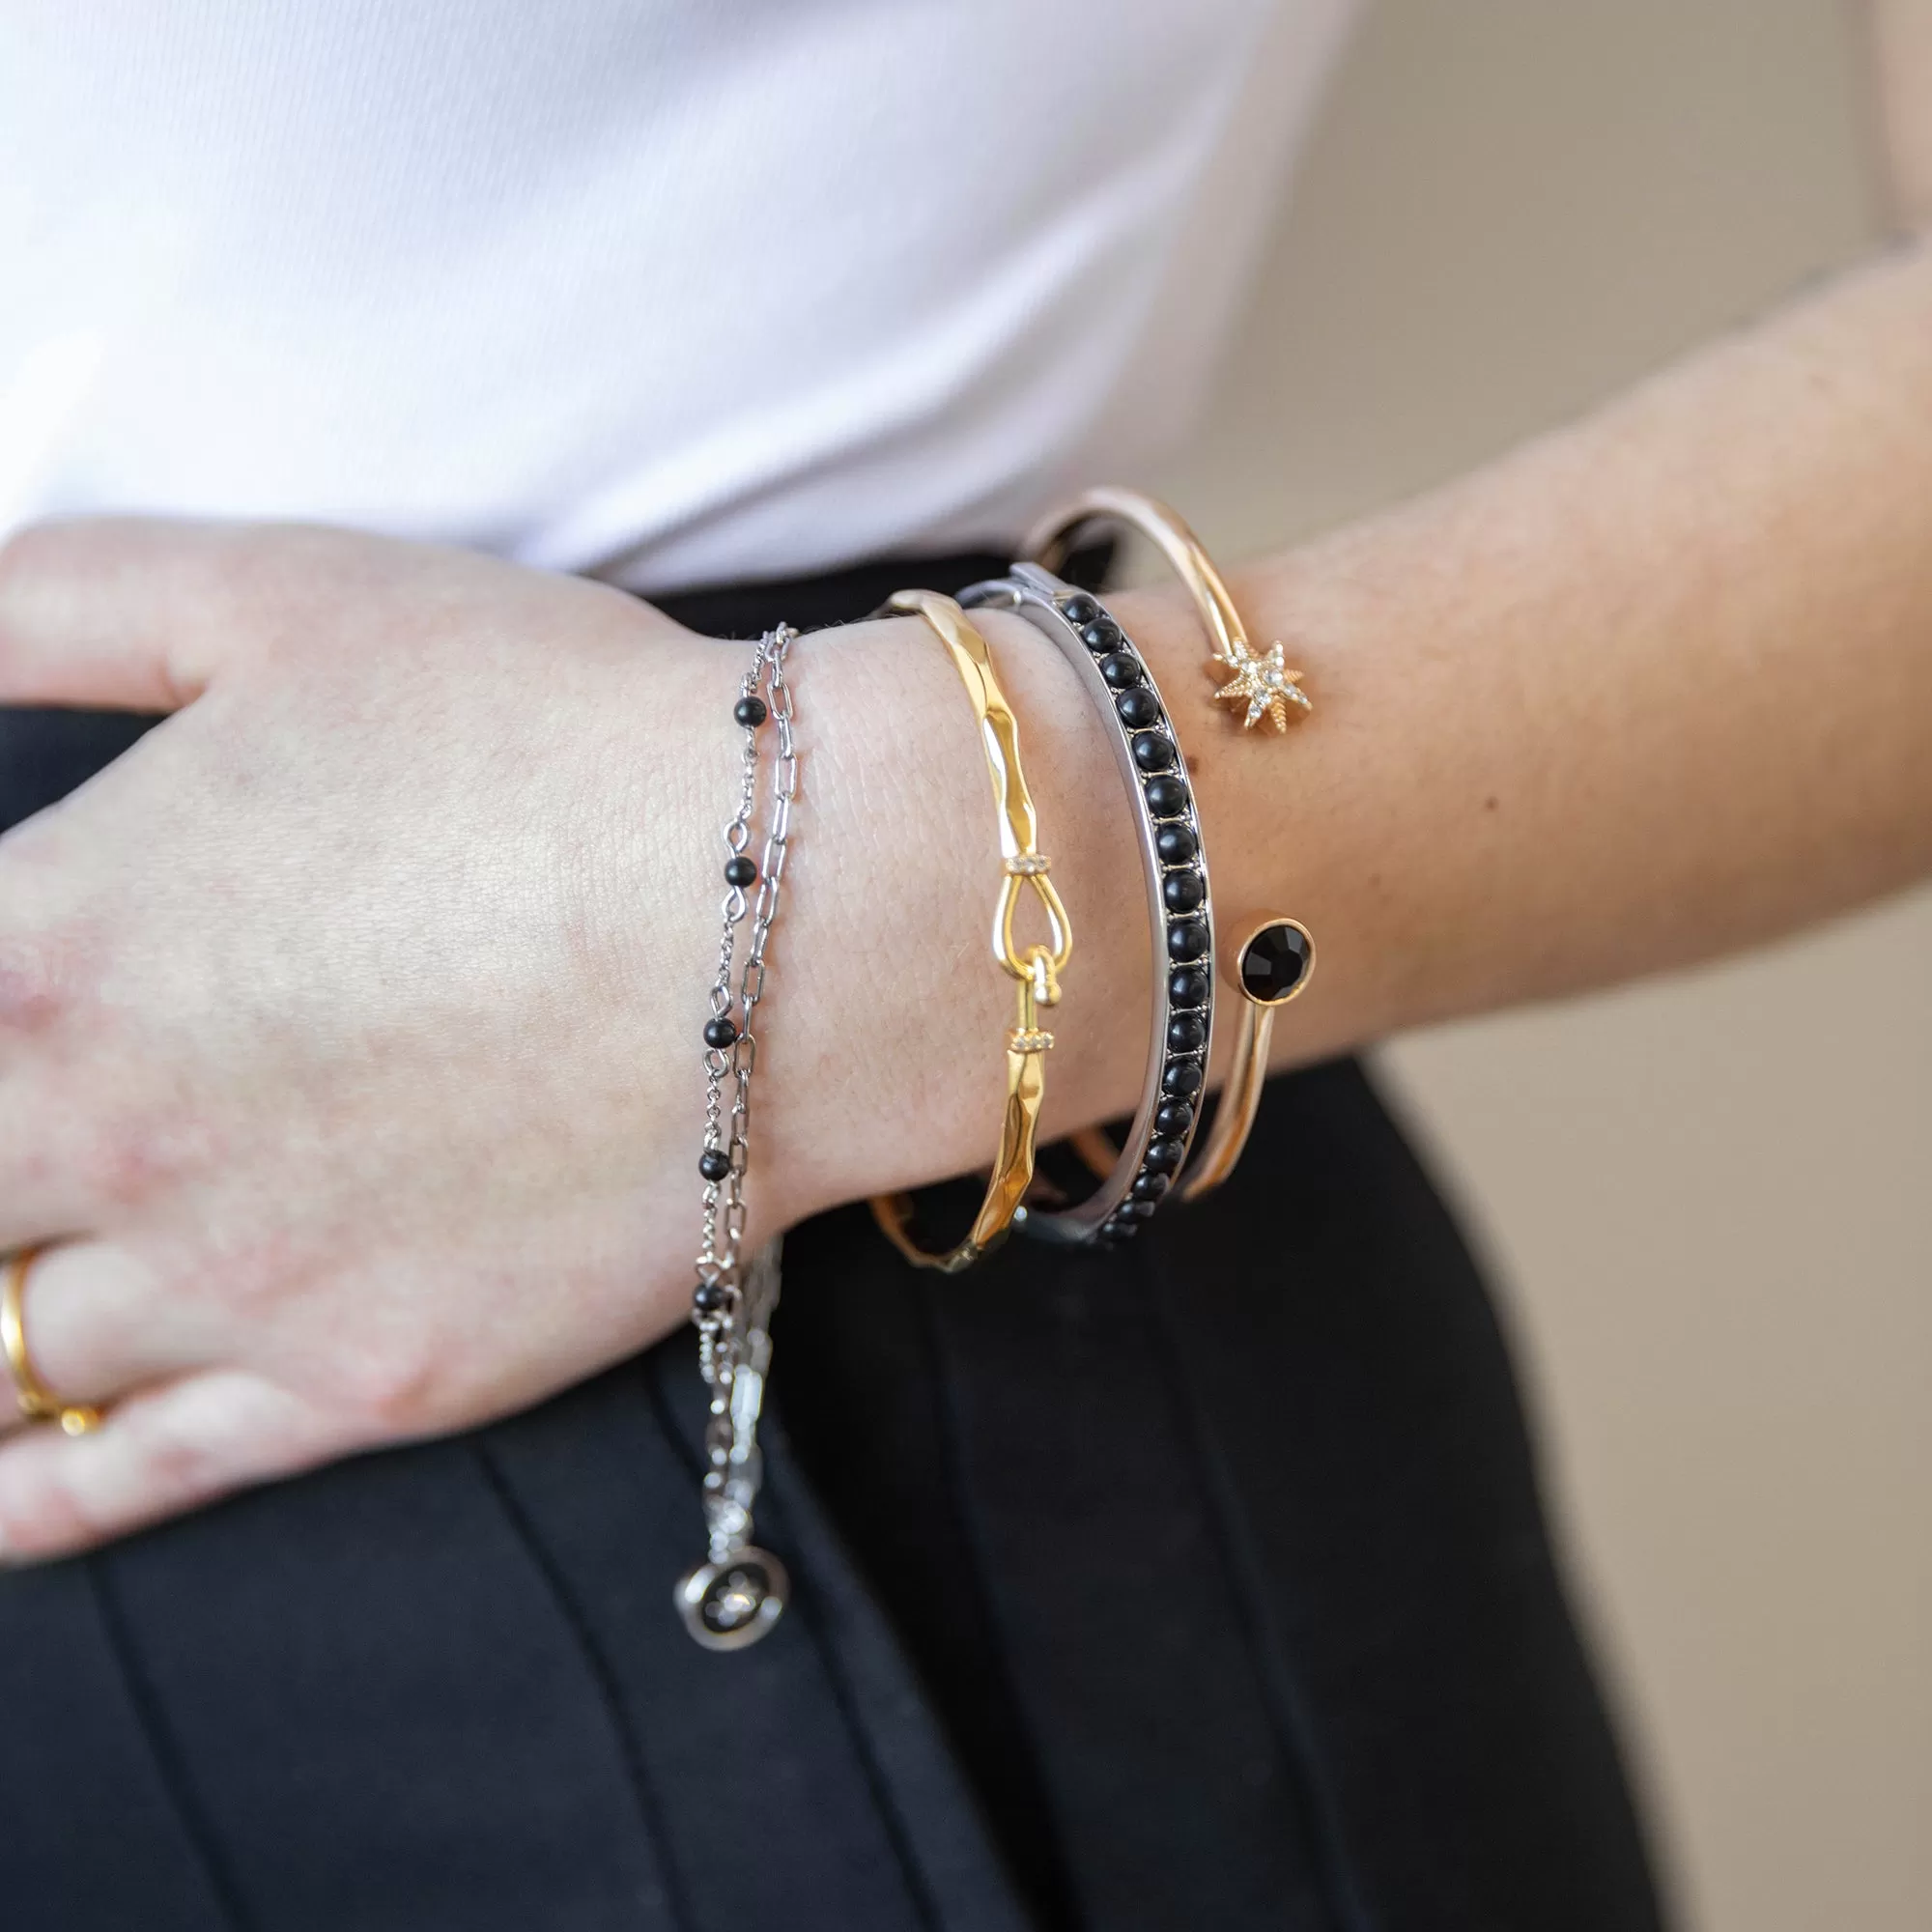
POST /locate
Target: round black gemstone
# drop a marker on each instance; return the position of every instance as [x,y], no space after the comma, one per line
[1150,1186]
[1188,987]
[1166,796]
[1079,608]
[1101,636]
[1183,1077]
[1184,891]
[1137,1211]
[1121,668]
[1138,706]
[743,871]
[750,711]
[708,1297]
[720,1033]
[1274,962]
[1187,939]
[1152,751]
[1175,845]
[1173,1116]
[1163,1157]
[1187,1033]
[714,1163]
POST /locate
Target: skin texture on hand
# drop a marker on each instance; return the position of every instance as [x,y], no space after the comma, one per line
[347,1024]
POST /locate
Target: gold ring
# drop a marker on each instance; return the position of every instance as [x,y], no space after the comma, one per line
[1036,970]
[1261,681]
[38,1401]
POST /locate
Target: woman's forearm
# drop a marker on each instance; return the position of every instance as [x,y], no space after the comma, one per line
[1653,687]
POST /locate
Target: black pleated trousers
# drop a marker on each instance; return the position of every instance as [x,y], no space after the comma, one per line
[1203,1584]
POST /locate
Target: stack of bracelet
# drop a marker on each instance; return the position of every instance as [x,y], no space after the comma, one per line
[1271,967]
[738,1592]
[1273,962]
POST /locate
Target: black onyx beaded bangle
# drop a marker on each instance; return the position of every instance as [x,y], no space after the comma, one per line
[738,1592]
[1179,909]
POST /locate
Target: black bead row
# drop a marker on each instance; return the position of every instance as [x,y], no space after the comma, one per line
[720,1031]
[1183,892]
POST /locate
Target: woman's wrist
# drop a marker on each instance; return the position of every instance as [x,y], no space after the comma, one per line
[892,1022]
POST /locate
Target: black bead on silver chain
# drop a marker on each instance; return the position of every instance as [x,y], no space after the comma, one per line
[738,1592]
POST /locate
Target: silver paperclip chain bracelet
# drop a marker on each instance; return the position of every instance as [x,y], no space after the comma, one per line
[738,1592]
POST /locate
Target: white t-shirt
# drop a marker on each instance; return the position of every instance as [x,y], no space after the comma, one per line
[684,291]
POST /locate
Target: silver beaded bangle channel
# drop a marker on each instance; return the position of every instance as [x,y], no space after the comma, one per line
[1179,909]
[738,1592]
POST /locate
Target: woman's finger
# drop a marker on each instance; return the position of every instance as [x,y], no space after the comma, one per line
[84,1141]
[121,613]
[99,1326]
[165,1451]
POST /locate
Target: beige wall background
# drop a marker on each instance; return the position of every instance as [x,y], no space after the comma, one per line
[1706,1199]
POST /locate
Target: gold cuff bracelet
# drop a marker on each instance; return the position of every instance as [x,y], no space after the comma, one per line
[1261,681]
[1273,962]
[1271,968]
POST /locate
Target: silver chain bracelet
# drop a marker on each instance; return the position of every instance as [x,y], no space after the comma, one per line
[739,1591]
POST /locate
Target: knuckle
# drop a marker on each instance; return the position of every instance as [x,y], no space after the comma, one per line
[395,1388]
[39,981]
[42,1519]
[121,1167]
[133,1155]
[34,555]
[179,1466]
[253,1277]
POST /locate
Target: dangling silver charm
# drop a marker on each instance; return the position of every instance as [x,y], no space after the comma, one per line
[739,1591]
[728,1604]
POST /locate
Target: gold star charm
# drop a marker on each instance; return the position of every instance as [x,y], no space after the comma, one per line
[1263,682]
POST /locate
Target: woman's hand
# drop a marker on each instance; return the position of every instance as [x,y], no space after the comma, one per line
[349,1024]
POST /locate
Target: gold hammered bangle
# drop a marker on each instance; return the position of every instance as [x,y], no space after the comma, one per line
[1036,969]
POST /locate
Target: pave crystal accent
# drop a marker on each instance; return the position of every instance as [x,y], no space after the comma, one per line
[1264,679]
[1020,1040]
[1028,864]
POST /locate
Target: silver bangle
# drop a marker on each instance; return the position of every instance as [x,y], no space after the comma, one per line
[1179,910]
